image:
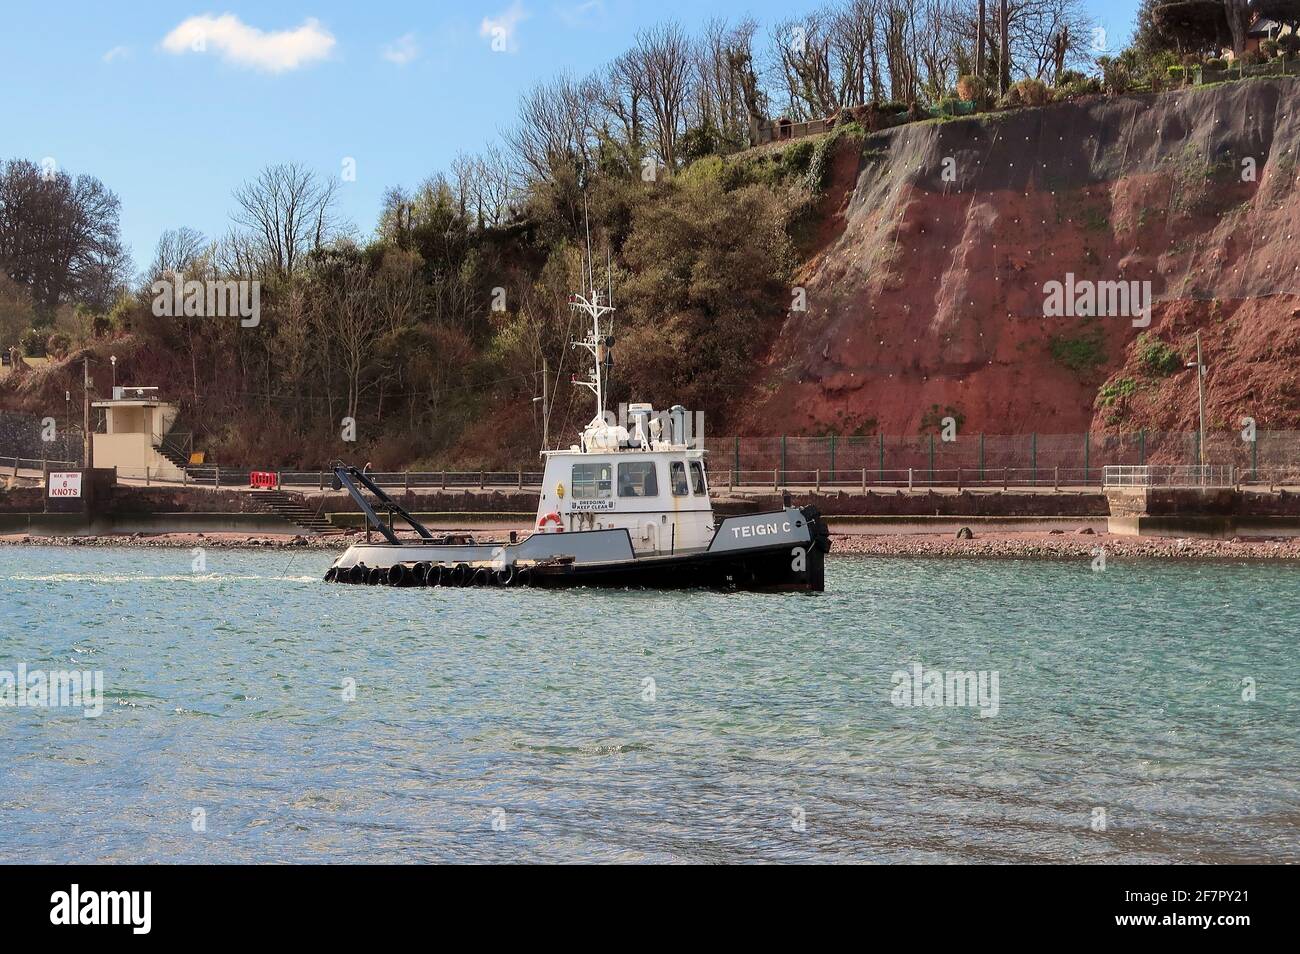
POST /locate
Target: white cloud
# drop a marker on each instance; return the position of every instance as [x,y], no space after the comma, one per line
[116,53]
[582,13]
[402,50]
[243,45]
[500,30]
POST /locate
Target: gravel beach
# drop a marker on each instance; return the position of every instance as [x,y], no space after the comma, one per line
[1001,545]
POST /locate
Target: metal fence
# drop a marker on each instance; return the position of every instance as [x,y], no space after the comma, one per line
[992,459]
[877,461]
[1172,475]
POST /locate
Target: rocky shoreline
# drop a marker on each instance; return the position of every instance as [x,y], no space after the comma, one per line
[1061,546]
[1052,545]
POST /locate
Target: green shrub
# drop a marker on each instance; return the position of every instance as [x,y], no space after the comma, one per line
[1033,92]
[58,345]
[1080,354]
[1157,358]
[1216,63]
[796,157]
[1176,74]
[971,88]
[1115,77]
[1269,48]
[1116,391]
[32,343]
[1251,58]
[1084,86]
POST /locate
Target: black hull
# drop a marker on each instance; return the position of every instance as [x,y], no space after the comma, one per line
[770,570]
[777,567]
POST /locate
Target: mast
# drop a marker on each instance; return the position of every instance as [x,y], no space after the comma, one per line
[595,309]
[598,340]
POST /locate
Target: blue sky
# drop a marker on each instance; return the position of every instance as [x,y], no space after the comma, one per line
[117,89]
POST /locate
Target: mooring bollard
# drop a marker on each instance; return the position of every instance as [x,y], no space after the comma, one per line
[1056,478]
[776,479]
[909,480]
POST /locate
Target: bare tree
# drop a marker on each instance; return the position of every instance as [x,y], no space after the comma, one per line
[800,52]
[289,211]
[621,92]
[665,55]
[555,127]
[182,251]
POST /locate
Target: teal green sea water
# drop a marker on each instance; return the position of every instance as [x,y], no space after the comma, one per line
[494,725]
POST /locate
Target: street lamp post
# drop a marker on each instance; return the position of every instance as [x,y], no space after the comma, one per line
[1199,365]
[112,359]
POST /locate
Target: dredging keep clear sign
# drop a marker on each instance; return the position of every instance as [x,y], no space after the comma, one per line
[65,484]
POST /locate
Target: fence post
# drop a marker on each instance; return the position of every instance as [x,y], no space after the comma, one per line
[216,477]
[832,458]
[521,478]
[406,482]
[817,481]
[864,480]
[776,480]
[784,477]
[1142,448]
[736,456]
[909,479]
[1004,478]
[931,460]
[1087,456]
[958,480]
[146,476]
[444,480]
[1254,458]
[1033,456]
[320,474]
[481,480]
[1056,478]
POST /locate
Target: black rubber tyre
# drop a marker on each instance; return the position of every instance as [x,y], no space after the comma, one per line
[434,577]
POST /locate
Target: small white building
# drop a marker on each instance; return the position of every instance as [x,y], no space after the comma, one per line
[136,422]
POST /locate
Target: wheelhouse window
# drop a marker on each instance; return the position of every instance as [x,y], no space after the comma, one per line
[677,477]
[697,479]
[638,479]
[591,481]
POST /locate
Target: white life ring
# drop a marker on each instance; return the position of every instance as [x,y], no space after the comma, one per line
[552,516]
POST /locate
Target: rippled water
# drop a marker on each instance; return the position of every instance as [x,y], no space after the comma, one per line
[1119,690]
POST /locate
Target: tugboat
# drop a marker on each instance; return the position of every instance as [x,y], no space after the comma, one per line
[625,506]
